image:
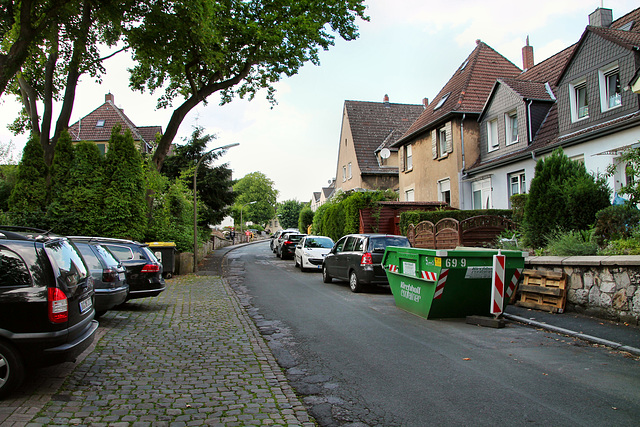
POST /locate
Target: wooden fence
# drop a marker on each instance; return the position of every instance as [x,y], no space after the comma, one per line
[448,233]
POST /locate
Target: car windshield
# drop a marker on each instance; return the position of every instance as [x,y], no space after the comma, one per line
[318,242]
[295,237]
[107,256]
[380,243]
[150,254]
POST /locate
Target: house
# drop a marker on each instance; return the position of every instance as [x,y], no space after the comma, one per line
[96,127]
[581,99]
[444,139]
[366,157]
[319,198]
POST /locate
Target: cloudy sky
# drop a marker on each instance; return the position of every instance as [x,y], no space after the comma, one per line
[408,50]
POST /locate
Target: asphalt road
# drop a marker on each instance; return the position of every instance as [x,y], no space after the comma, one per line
[357,359]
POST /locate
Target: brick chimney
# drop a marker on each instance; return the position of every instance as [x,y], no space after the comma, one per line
[108,97]
[601,18]
[385,100]
[425,102]
[527,56]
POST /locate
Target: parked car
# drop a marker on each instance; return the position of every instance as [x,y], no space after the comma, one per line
[143,270]
[311,250]
[46,304]
[109,276]
[274,239]
[287,246]
[358,257]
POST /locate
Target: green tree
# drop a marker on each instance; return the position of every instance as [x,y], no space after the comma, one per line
[305,219]
[173,217]
[29,195]
[629,160]
[289,213]
[562,195]
[63,201]
[254,187]
[213,183]
[125,190]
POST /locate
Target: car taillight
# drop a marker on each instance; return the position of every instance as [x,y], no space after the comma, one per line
[366,259]
[151,268]
[58,305]
[288,242]
[109,275]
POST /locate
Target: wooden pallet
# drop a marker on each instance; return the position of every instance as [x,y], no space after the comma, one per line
[543,290]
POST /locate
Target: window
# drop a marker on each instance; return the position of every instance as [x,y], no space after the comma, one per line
[100,124]
[344,173]
[511,127]
[409,196]
[351,243]
[13,270]
[340,244]
[408,157]
[349,170]
[442,101]
[579,101]
[517,184]
[492,134]
[442,141]
[444,191]
[481,193]
[610,93]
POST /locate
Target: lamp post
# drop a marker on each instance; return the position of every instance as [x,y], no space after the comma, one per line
[241,223]
[195,200]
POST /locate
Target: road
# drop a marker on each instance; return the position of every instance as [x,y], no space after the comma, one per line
[357,359]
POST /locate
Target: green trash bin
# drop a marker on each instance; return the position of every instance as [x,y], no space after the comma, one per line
[166,254]
[448,283]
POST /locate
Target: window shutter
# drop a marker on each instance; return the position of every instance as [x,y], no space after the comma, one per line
[447,128]
[434,144]
[401,156]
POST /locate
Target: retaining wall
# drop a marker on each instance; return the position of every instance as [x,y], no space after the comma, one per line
[606,287]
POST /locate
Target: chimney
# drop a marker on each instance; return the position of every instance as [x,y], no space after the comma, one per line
[108,97]
[601,18]
[527,56]
[425,102]
[386,100]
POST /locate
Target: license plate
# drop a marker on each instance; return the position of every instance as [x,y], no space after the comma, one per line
[85,305]
[319,267]
[121,276]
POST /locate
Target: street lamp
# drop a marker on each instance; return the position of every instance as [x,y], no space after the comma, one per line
[241,223]
[195,204]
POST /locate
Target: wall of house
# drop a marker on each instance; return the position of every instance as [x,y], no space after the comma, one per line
[504,101]
[594,54]
[346,155]
[380,182]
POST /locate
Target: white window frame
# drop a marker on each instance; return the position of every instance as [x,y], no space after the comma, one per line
[518,179]
[493,142]
[444,186]
[408,158]
[483,187]
[509,119]
[576,114]
[344,173]
[409,195]
[349,176]
[442,142]
[605,99]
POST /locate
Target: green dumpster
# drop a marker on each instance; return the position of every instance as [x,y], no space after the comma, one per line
[448,283]
[166,254]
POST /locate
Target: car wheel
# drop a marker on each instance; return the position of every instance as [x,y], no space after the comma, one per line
[99,314]
[326,278]
[11,369]
[354,283]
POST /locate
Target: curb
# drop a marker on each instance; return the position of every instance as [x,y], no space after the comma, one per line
[590,338]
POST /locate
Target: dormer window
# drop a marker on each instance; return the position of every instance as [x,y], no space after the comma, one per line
[610,93]
[442,101]
[100,123]
[579,100]
[511,127]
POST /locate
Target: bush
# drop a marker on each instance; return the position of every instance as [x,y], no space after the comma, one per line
[571,243]
[615,223]
[518,202]
[305,219]
[628,246]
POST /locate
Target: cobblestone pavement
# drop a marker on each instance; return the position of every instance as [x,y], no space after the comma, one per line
[188,357]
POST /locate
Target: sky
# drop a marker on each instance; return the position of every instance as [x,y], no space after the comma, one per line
[408,50]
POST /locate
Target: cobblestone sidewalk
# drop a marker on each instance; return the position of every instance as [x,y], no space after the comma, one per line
[186,358]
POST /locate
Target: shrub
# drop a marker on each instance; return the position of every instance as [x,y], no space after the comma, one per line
[518,202]
[627,246]
[615,222]
[571,243]
[305,219]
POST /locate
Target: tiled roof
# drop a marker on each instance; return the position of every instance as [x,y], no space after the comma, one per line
[529,90]
[626,39]
[96,126]
[375,123]
[549,70]
[633,16]
[467,89]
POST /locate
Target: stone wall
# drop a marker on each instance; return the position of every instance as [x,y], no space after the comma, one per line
[606,287]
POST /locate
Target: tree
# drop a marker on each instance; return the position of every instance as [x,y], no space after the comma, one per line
[213,183]
[562,195]
[630,161]
[289,213]
[29,195]
[305,219]
[254,187]
[193,49]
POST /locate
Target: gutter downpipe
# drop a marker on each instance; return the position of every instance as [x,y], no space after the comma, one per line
[529,136]
[462,172]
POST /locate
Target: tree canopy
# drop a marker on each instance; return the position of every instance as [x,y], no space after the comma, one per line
[289,213]
[254,187]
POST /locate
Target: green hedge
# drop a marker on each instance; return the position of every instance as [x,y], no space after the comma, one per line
[415,217]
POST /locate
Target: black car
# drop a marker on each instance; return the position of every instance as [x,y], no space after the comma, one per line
[46,304]
[143,270]
[358,257]
[287,247]
[109,276]
[276,237]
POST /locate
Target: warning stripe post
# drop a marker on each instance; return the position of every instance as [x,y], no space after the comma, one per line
[497,284]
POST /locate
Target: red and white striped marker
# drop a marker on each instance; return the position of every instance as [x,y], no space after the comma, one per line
[429,275]
[444,273]
[393,268]
[514,282]
[497,284]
